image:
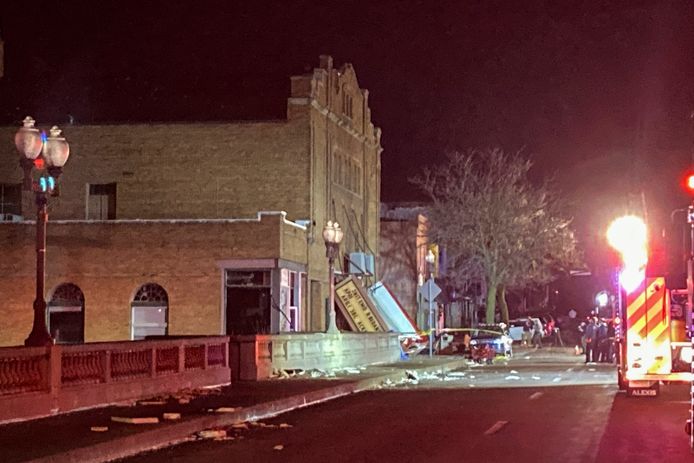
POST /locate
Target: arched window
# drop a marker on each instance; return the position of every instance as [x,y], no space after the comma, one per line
[66,314]
[150,312]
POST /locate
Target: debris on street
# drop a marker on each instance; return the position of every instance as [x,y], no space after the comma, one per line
[212,434]
[135,420]
[226,409]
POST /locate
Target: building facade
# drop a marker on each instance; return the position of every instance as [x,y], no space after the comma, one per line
[159,228]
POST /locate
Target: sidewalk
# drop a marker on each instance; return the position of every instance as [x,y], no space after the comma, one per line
[69,438]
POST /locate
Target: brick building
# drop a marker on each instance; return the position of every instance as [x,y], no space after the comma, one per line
[404,243]
[158,227]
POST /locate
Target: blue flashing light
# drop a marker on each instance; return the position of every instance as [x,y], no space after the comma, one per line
[43,136]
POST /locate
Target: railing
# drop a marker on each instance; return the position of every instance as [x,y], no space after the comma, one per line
[87,373]
[23,369]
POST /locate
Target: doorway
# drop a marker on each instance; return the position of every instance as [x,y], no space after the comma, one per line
[248,302]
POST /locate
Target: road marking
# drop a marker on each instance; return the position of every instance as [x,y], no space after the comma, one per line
[569,370]
[556,380]
[535,395]
[495,428]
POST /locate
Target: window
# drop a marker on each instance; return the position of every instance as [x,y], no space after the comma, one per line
[10,200]
[294,303]
[101,201]
[346,103]
[150,309]
[347,172]
[66,314]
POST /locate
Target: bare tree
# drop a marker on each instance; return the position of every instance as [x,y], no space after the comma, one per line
[495,224]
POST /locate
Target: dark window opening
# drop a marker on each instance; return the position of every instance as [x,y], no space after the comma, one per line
[101,203]
[10,200]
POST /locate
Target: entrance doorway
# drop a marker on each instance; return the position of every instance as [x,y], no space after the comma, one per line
[248,301]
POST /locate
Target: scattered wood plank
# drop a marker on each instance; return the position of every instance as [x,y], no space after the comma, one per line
[212,434]
[135,420]
[226,409]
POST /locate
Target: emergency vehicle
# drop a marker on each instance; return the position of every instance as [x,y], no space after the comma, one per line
[651,338]
[651,320]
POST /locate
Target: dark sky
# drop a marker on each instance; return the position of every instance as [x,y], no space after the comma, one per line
[598,93]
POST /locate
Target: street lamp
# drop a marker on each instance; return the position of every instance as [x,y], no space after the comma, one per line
[332,235]
[430,259]
[40,152]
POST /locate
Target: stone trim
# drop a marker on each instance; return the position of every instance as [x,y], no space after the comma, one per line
[259,218]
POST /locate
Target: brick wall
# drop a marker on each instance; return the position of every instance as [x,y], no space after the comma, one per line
[109,261]
[398,259]
[221,170]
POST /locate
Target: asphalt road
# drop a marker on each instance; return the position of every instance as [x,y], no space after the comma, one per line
[579,418]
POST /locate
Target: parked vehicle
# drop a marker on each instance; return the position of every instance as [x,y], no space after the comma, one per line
[498,342]
[515,329]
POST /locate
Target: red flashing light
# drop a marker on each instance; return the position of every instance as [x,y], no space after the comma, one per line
[39,163]
[687,182]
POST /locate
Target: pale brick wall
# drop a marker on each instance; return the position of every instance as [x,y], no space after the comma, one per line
[222,170]
[109,261]
[398,254]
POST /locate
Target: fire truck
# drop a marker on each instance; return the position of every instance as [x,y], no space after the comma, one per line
[651,338]
[651,320]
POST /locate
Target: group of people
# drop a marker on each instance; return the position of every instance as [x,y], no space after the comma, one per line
[597,340]
[532,333]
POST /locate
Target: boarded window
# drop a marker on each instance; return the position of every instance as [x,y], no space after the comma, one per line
[101,201]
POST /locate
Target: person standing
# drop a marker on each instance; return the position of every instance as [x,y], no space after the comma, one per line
[527,332]
[610,341]
[601,338]
[537,333]
[589,336]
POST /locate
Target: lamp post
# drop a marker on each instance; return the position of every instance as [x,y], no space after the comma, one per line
[430,258]
[332,235]
[50,153]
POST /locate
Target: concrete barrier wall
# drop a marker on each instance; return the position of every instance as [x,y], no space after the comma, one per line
[41,381]
[257,357]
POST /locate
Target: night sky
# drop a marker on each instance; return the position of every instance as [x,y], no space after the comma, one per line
[599,94]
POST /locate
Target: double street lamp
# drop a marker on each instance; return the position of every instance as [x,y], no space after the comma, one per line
[332,235]
[50,153]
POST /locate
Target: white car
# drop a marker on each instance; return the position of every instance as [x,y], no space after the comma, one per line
[515,327]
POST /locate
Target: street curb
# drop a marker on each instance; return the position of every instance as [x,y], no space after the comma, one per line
[127,446]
